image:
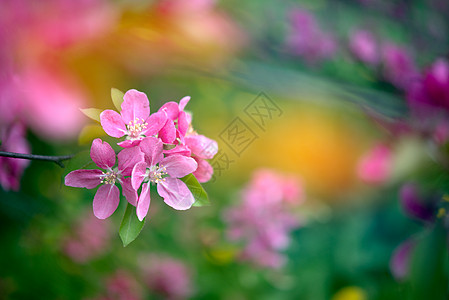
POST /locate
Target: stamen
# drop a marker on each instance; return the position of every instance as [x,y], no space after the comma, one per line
[135,128]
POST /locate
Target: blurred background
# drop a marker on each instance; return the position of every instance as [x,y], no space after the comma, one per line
[341,113]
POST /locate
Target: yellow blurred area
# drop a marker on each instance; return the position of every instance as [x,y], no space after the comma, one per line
[312,141]
[350,293]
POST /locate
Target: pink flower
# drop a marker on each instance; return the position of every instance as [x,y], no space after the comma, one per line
[399,67]
[167,277]
[11,169]
[164,172]
[90,239]
[264,219]
[122,286]
[189,142]
[307,39]
[375,166]
[364,47]
[107,197]
[134,121]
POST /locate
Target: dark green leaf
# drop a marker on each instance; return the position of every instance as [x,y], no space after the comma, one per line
[200,195]
[131,226]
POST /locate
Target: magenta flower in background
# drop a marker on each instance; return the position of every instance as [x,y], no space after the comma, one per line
[90,239]
[134,121]
[420,208]
[264,218]
[399,66]
[166,276]
[107,197]
[375,166]
[433,89]
[307,39]
[13,139]
[364,47]
[164,172]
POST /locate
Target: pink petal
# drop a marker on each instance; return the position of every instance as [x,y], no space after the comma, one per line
[129,143]
[155,123]
[204,171]
[178,166]
[135,106]
[138,174]
[112,123]
[175,193]
[183,102]
[83,178]
[171,109]
[179,149]
[168,132]
[144,202]
[202,146]
[183,123]
[128,191]
[152,148]
[102,154]
[128,158]
[106,201]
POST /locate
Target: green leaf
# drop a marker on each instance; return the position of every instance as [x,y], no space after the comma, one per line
[131,226]
[200,195]
[117,98]
[93,113]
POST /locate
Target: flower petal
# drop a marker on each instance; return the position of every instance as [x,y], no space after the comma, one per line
[414,205]
[83,178]
[204,171]
[135,106]
[175,193]
[202,146]
[183,123]
[138,174]
[129,143]
[155,123]
[128,158]
[183,102]
[168,132]
[179,149]
[128,191]
[102,154]
[401,259]
[171,109]
[143,204]
[106,201]
[152,148]
[112,123]
[178,166]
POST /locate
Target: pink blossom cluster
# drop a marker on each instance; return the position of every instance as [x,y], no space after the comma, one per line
[167,277]
[90,239]
[158,149]
[264,218]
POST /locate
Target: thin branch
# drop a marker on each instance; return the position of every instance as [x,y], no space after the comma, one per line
[56,159]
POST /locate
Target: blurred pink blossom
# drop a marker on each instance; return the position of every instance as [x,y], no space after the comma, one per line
[263,220]
[399,66]
[166,276]
[13,139]
[375,166]
[121,286]
[364,46]
[307,39]
[90,238]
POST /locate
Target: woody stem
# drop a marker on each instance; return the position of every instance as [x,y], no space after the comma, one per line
[56,159]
